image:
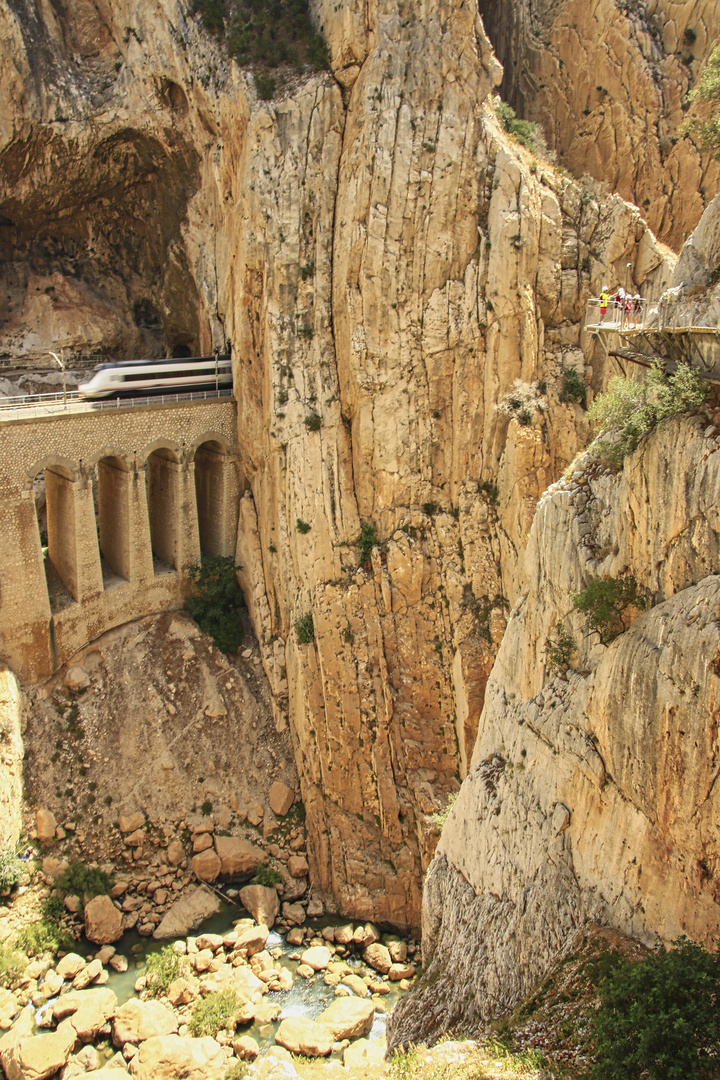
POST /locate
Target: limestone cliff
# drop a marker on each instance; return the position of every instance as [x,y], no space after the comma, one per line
[11,759]
[390,269]
[592,792]
[607,82]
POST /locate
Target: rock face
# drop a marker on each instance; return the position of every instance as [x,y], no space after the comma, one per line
[591,793]
[607,83]
[386,264]
[11,702]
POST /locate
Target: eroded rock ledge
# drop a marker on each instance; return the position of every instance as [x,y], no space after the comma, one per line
[592,793]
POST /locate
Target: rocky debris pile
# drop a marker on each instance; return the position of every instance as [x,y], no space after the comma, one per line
[158,1032]
[157,894]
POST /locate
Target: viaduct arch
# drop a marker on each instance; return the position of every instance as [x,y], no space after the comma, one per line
[102,513]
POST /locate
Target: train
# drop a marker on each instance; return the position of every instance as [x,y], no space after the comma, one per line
[176,375]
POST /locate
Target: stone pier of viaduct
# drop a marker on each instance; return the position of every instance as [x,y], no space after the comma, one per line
[133,496]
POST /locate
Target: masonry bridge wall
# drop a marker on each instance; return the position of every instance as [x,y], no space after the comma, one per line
[101,514]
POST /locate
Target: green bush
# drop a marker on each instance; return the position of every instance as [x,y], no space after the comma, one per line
[659,1018]
[366,542]
[11,967]
[573,387]
[559,650]
[302,526]
[216,609]
[162,968]
[265,875]
[265,85]
[630,409]
[80,880]
[440,816]
[11,869]
[43,936]
[215,1012]
[605,601]
[266,33]
[238,1071]
[305,628]
[313,422]
[523,131]
[707,90]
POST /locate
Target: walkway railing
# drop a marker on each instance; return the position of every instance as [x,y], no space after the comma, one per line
[673,315]
[28,406]
[615,317]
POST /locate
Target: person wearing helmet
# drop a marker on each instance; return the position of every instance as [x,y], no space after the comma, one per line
[604,297]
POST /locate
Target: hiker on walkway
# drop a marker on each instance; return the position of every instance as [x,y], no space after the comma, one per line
[604,297]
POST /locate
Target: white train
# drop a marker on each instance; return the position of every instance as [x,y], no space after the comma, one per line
[138,378]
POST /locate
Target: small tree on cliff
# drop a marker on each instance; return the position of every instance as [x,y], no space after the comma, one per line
[707,128]
[219,600]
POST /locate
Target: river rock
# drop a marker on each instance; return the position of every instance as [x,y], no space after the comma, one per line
[246,1048]
[87,1010]
[357,985]
[187,913]
[296,936]
[398,951]
[23,1028]
[315,909]
[206,865]
[118,963]
[401,971]
[202,842]
[45,825]
[88,975]
[348,1018]
[181,992]
[281,798]
[70,965]
[261,902]
[302,1036]
[40,1056]
[378,957]
[294,914]
[253,939]
[238,856]
[344,934]
[168,1057]
[317,957]
[136,1021]
[103,921]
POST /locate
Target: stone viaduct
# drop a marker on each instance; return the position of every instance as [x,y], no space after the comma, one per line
[133,496]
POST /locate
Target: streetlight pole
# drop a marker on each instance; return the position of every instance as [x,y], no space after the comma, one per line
[61,361]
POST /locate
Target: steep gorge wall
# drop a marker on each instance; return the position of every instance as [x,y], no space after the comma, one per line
[607,82]
[383,258]
[592,792]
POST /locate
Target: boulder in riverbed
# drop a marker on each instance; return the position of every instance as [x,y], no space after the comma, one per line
[168,1057]
[348,1018]
[136,1021]
[261,902]
[301,1036]
[103,921]
[187,913]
